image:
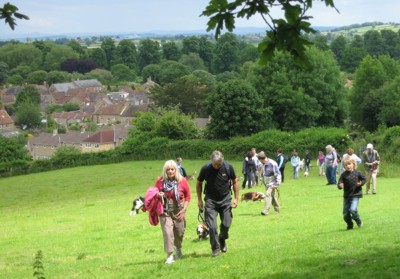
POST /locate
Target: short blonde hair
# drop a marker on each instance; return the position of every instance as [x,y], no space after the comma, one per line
[350,160]
[171,164]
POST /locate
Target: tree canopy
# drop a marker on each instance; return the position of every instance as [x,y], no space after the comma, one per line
[282,34]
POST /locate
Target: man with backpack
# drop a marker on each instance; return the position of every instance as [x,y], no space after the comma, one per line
[220,177]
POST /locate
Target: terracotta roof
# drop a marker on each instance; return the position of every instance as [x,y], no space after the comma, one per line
[5,119]
[109,135]
[104,136]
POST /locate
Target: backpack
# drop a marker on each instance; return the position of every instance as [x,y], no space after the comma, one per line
[285,159]
[228,170]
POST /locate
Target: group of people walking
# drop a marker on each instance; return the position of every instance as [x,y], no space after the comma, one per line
[168,200]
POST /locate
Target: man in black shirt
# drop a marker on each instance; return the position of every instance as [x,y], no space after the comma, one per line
[220,177]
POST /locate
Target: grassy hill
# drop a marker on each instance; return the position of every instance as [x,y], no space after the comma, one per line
[79,218]
[360,29]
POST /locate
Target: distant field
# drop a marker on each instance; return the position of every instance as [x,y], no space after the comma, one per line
[362,30]
[79,218]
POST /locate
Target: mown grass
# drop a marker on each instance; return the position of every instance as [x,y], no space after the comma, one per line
[79,218]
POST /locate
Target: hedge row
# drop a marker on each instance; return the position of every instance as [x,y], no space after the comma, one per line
[143,147]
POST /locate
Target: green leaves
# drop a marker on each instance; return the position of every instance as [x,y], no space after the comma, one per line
[283,34]
[8,12]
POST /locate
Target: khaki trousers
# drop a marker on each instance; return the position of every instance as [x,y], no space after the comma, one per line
[371,175]
[173,231]
[271,198]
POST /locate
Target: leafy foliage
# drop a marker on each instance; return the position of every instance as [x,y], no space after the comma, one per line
[10,13]
[38,266]
[236,109]
[283,34]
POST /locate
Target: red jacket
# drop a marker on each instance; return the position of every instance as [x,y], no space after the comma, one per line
[153,205]
[184,190]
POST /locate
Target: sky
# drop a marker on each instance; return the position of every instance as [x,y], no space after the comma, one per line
[60,17]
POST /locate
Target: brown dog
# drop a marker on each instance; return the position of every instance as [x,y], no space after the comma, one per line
[254,196]
[202,231]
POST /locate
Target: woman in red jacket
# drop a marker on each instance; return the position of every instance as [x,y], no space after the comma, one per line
[174,190]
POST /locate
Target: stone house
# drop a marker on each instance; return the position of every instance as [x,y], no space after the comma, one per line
[45,145]
[106,139]
[6,122]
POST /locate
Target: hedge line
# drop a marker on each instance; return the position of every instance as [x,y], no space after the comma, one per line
[143,147]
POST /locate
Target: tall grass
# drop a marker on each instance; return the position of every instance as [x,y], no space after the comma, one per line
[79,218]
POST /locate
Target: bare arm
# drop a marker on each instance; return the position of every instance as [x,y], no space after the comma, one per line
[235,192]
[199,191]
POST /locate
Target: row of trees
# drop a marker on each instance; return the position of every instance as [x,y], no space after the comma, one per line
[350,51]
[46,61]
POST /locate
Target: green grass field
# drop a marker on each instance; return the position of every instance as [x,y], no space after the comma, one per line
[79,218]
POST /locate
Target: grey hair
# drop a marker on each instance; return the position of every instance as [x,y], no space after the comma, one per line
[217,157]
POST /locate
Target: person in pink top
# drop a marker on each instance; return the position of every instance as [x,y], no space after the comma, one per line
[175,192]
[321,163]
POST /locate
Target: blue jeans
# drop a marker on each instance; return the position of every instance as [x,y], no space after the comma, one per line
[295,172]
[350,210]
[331,174]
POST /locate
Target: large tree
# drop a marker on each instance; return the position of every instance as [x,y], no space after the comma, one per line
[236,109]
[301,97]
[170,51]
[226,54]
[149,53]
[126,54]
[188,93]
[365,103]
[108,46]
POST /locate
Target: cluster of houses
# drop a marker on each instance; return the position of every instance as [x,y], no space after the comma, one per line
[112,111]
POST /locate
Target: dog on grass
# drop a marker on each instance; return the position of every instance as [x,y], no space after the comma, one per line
[202,231]
[253,196]
[137,205]
[191,176]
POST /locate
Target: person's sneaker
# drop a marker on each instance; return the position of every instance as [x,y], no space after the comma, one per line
[360,223]
[170,259]
[350,227]
[178,254]
[222,243]
[215,253]
[367,193]
[374,193]
[263,213]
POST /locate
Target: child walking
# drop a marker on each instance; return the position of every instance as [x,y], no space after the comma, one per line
[351,181]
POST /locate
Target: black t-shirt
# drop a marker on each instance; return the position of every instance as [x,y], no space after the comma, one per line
[217,180]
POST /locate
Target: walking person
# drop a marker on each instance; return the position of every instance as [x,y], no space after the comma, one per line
[271,179]
[249,170]
[351,181]
[257,163]
[321,163]
[175,192]
[281,161]
[371,160]
[220,177]
[180,167]
[349,152]
[295,162]
[307,161]
[331,165]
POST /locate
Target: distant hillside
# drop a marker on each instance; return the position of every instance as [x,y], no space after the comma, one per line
[360,29]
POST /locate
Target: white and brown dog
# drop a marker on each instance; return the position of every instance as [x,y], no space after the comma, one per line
[253,196]
[202,231]
[137,205]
